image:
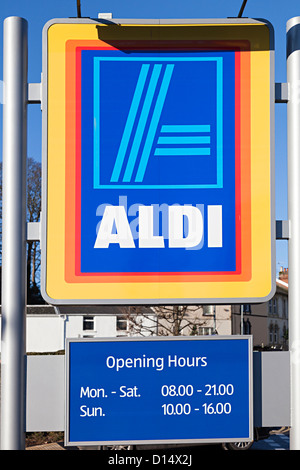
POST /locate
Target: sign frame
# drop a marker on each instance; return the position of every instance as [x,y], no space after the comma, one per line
[57,291]
[155,342]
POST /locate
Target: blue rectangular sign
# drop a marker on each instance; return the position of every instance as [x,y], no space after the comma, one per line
[150,145]
[162,390]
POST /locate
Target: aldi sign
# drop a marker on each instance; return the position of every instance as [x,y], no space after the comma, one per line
[158,162]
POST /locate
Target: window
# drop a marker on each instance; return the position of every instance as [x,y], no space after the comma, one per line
[273,310]
[270,306]
[247,308]
[285,333]
[123,325]
[88,323]
[205,330]
[285,307]
[276,334]
[271,334]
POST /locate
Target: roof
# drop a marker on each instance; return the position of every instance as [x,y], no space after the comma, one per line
[85,310]
[282,285]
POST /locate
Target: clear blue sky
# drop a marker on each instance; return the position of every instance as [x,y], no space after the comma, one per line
[38,12]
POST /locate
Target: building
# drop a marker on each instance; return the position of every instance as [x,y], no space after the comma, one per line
[251,319]
[48,326]
[278,314]
[268,321]
[194,320]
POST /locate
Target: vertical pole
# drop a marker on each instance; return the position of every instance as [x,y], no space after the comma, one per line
[242,9]
[13,342]
[293,141]
[242,319]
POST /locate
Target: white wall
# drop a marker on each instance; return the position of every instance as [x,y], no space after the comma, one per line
[46,333]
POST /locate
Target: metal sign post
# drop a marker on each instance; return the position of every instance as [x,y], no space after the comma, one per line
[13,344]
[293,115]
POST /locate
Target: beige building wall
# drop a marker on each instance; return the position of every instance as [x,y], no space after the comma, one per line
[197,320]
[278,317]
[255,322]
[268,321]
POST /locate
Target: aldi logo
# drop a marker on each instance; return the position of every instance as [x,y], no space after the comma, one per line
[164,139]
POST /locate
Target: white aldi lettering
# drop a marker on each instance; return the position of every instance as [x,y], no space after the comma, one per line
[185,228]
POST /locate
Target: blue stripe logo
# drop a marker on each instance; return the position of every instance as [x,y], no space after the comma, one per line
[189,134]
[148,134]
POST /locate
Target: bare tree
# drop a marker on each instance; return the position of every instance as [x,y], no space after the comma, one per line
[173,320]
[34,182]
[33,215]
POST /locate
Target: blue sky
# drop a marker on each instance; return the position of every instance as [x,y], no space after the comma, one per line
[38,12]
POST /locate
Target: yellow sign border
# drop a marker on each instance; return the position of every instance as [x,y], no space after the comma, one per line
[261,286]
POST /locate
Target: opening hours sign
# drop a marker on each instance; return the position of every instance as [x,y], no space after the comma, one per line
[158,161]
[159,390]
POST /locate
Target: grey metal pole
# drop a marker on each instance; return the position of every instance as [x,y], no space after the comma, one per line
[242,319]
[293,130]
[13,339]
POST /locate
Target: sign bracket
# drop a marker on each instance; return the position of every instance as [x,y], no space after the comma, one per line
[282,229]
[281,92]
[34,93]
[33,231]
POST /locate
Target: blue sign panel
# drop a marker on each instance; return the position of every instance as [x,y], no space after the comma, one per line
[153,134]
[160,389]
